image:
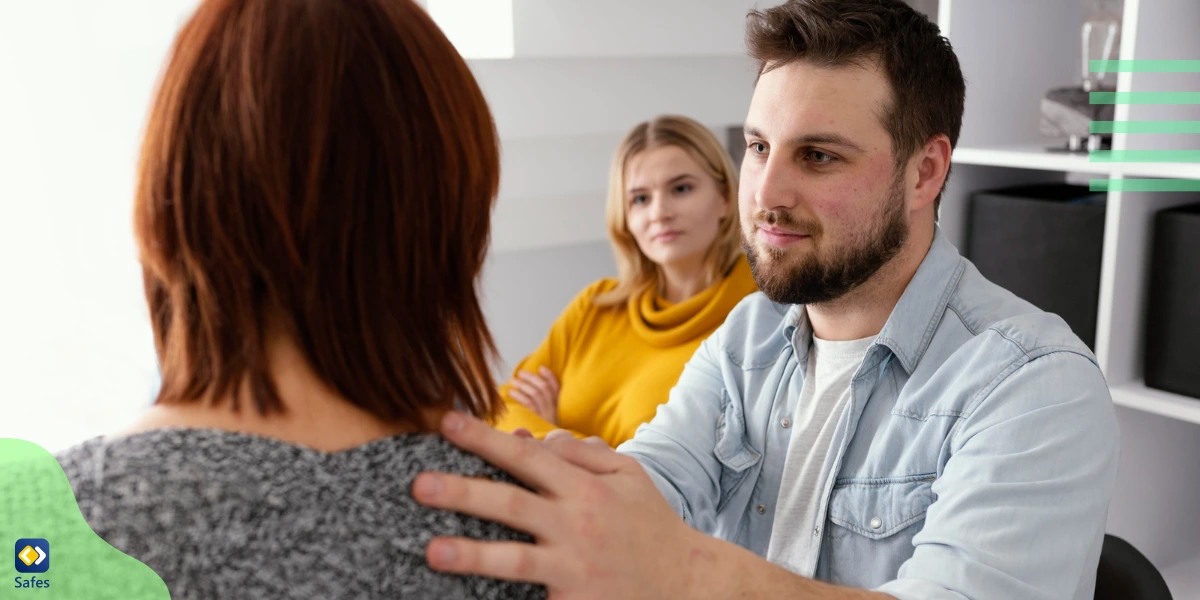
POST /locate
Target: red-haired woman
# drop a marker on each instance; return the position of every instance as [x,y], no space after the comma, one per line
[312,214]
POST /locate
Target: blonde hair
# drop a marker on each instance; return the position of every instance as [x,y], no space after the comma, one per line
[635,271]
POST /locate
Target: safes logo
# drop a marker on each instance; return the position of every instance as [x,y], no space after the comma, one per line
[31,555]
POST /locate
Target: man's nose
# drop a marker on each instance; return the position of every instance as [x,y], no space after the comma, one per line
[776,188]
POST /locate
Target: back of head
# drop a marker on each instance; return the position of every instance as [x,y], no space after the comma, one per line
[635,270]
[322,170]
[928,89]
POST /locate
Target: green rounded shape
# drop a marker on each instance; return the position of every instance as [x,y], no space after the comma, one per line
[36,501]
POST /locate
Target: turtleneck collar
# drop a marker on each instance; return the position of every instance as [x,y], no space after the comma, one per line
[663,324]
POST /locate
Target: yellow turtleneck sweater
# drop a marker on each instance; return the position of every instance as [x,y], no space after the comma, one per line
[616,365]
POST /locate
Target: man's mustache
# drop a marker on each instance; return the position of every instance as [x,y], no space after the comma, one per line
[785,221]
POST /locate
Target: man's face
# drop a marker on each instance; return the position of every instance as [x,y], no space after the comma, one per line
[822,206]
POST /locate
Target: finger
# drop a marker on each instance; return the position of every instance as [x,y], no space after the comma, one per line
[526,388]
[548,375]
[593,454]
[552,391]
[504,503]
[538,382]
[520,397]
[523,400]
[597,442]
[522,432]
[558,433]
[549,410]
[525,459]
[535,397]
[512,561]
[538,391]
[530,402]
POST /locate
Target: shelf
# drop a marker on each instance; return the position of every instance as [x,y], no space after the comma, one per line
[1033,156]
[1140,397]
[1184,579]
[1029,156]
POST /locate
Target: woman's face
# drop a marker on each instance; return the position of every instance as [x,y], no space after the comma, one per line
[673,207]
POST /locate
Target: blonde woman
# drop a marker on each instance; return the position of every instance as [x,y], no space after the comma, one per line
[615,352]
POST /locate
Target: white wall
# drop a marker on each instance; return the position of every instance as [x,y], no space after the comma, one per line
[75,80]
[582,74]
[76,77]
[525,290]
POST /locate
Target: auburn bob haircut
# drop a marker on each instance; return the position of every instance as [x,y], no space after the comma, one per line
[322,170]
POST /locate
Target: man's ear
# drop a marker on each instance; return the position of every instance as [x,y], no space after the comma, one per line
[932,163]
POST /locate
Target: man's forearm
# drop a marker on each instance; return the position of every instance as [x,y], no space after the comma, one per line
[718,570]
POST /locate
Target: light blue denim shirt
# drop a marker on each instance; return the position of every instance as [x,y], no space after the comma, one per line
[975,459]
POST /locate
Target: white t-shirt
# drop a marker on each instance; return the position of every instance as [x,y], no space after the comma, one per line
[831,367]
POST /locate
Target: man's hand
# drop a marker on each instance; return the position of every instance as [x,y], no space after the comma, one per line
[603,530]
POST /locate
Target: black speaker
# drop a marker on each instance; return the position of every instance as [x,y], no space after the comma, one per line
[1173,307]
[1043,243]
[735,143]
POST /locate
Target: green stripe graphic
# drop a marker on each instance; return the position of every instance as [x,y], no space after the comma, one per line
[1144,97]
[1145,127]
[1144,185]
[1107,156]
[1145,66]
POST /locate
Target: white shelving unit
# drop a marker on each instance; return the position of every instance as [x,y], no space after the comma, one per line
[1012,52]
[1138,396]
[1033,156]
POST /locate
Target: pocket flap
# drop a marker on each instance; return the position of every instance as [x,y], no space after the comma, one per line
[878,508]
[731,447]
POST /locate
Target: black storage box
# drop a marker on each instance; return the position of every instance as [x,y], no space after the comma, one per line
[1043,243]
[1173,307]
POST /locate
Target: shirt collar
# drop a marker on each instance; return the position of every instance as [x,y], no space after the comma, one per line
[910,327]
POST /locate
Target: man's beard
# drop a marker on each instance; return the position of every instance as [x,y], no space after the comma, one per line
[812,280]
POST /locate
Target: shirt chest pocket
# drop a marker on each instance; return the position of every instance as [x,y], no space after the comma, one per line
[733,450]
[870,528]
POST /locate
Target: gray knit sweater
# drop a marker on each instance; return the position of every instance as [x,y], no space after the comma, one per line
[226,515]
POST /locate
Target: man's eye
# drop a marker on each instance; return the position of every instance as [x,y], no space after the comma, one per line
[820,157]
[758,147]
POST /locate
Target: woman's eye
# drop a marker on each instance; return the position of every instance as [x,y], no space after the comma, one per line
[683,188]
[639,199]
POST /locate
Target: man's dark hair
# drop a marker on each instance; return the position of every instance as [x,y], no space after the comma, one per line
[927,84]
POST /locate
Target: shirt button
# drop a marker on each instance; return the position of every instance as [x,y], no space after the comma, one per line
[762,510]
[785,423]
[876,523]
[817,531]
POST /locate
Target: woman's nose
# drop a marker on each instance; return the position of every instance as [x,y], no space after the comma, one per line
[659,211]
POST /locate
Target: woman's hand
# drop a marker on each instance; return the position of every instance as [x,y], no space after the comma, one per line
[538,393]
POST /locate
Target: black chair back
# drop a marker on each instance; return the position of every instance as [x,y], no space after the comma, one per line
[1126,574]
